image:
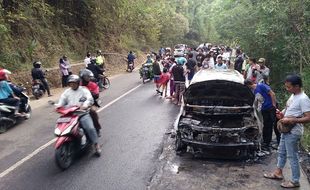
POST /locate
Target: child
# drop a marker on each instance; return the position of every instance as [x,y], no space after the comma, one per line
[164,79]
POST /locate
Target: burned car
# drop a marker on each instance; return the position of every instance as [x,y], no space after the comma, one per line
[217,116]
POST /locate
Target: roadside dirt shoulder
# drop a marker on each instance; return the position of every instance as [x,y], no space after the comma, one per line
[188,172]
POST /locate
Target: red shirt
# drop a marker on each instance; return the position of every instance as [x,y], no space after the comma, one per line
[164,78]
[93,87]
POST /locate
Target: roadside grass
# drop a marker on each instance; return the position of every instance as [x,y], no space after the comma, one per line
[305,141]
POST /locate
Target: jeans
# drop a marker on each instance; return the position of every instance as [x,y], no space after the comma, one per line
[288,148]
[64,80]
[88,125]
[269,117]
[45,84]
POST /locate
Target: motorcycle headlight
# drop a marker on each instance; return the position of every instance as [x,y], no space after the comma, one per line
[57,132]
[67,131]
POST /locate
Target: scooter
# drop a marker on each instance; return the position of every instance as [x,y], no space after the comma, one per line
[8,118]
[146,72]
[71,138]
[38,89]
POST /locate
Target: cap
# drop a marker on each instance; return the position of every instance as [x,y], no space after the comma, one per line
[261,60]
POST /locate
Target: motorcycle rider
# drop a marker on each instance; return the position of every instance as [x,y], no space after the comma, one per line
[131,59]
[17,90]
[86,76]
[38,74]
[97,71]
[100,60]
[7,95]
[78,95]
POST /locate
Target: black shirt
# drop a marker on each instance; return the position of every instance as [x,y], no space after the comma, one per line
[191,63]
[178,73]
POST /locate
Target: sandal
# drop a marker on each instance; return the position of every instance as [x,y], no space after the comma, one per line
[272,176]
[290,184]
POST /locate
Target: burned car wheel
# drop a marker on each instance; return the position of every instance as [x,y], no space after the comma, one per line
[180,146]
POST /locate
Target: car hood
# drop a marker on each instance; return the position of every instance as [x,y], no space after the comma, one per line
[218,88]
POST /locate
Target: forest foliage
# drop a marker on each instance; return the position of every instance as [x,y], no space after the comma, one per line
[45,29]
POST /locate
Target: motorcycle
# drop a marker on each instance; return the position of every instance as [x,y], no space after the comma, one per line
[103,82]
[71,138]
[146,72]
[8,118]
[130,67]
[38,89]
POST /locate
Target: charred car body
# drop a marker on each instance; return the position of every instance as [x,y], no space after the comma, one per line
[217,116]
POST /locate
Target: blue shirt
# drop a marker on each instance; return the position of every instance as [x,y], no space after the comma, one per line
[5,90]
[264,90]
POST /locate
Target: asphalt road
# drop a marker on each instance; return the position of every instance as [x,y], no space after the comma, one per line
[132,138]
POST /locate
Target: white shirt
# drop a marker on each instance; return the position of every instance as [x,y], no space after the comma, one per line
[79,97]
[87,61]
[296,106]
[220,67]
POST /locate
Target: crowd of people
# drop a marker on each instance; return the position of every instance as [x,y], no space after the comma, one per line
[176,71]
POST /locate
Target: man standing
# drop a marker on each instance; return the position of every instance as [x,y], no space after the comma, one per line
[199,58]
[263,71]
[296,113]
[220,65]
[64,69]
[157,73]
[179,81]
[267,109]
[238,61]
[252,70]
[191,67]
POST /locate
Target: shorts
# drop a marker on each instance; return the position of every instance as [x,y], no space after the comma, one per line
[157,79]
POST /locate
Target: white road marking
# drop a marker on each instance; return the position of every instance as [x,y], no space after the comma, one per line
[38,150]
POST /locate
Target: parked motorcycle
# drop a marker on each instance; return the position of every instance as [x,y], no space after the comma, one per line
[38,89]
[146,72]
[71,138]
[8,118]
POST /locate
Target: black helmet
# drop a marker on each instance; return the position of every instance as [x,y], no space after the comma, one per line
[74,78]
[86,73]
[93,61]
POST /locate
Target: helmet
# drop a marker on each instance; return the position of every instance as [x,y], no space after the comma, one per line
[261,60]
[86,73]
[2,74]
[74,78]
[99,51]
[37,64]
[93,60]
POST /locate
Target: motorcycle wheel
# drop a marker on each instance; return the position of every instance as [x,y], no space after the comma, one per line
[28,111]
[64,155]
[143,78]
[3,128]
[106,83]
